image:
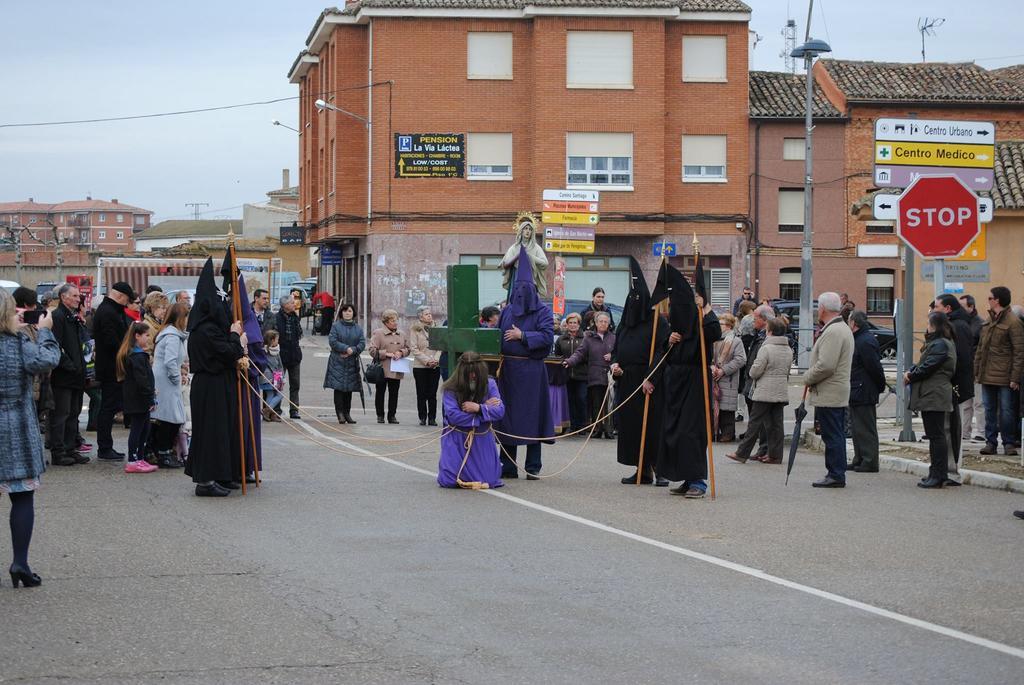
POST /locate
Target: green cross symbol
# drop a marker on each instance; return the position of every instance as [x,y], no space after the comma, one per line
[463,333]
[884,152]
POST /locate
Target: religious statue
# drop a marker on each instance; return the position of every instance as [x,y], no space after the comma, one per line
[526,236]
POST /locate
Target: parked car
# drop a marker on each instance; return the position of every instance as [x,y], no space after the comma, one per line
[886,336]
[10,286]
[308,287]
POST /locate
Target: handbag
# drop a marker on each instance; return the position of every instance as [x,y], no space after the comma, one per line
[374,373]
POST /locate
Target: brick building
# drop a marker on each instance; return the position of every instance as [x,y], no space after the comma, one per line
[81,224]
[643,100]
[866,91]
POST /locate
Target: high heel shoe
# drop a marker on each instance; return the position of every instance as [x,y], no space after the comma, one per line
[24,576]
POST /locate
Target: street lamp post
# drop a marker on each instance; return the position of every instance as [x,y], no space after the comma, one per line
[275,122]
[808,51]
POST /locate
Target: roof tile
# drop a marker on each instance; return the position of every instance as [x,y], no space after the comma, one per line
[927,82]
[779,95]
[1008,189]
[190,228]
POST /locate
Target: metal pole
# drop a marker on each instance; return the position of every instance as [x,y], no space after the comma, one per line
[806,337]
[905,342]
[939,277]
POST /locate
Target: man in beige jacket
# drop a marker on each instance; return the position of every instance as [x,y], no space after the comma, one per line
[828,383]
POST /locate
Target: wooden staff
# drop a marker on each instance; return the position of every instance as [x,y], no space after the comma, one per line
[236,308]
[650,360]
[704,377]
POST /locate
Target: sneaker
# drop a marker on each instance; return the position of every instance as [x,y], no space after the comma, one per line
[138,466]
[85,447]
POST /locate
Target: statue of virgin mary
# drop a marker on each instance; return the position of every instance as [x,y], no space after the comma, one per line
[526,236]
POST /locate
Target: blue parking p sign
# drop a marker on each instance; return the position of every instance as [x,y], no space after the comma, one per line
[405,143]
[666,249]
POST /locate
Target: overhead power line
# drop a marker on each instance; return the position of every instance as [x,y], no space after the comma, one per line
[185,111]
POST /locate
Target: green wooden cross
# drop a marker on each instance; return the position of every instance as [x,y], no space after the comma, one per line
[463,332]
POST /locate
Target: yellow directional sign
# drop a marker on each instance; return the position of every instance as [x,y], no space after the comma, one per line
[975,252]
[896,153]
[570,218]
[577,246]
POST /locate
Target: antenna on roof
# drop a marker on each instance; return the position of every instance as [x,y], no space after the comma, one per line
[927,28]
[789,35]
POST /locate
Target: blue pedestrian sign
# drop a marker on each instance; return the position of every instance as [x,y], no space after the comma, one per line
[666,249]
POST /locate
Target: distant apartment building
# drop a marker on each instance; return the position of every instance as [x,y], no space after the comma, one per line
[79,224]
[644,101]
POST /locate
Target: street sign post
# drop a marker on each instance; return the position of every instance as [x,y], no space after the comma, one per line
[571,195]
[664,249]
[937,216]
[906,149]
[573,246]
[885,208]
[570,218]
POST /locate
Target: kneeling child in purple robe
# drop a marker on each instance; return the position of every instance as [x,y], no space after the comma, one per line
[469,451]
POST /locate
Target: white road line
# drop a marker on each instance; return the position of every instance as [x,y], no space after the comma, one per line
[707,558]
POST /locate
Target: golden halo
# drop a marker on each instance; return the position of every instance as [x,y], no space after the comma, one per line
[524,216]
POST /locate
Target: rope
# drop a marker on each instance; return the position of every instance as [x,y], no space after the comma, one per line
[597,421]
[444,431]
[468,444]
[294,407]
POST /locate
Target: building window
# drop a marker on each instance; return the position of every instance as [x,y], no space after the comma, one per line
[881,291]
[880,227]
[140,220]
[703,158]
[334,169]
[103,217]
[60,218]
[794,148]
[599,59]
[791,210]
[120,235]
[789,283]
[704,59]
[599,159]
[84,236]
[103,235]
[489,156]
[489,55]
[120,218]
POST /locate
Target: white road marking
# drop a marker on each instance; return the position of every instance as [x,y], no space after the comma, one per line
[707,558]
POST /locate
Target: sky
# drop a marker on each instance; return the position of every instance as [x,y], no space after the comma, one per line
[82,60]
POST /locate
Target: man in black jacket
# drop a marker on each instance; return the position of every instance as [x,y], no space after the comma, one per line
[289,329]
[109,324]
[762,315]
[867,381]
[67,380]
[963,376]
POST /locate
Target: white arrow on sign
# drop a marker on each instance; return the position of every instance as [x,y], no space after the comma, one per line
[885,207]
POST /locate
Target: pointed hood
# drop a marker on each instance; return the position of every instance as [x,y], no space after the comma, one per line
[698,281]
[524,297]
[253,332]
[682,316]
[638,301]
[208,305]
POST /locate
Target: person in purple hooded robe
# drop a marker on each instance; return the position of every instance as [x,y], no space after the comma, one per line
[251,413]
[527,335]
[469,453]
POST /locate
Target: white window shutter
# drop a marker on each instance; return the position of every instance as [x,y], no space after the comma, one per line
[488,55]
[793,148]
[599,59]
[881,280]
[704,150]
[599,144]
[704,58]
[791,207]
[489,149]
[721,288]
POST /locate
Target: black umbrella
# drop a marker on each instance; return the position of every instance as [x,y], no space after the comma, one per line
[362,375]
[801,414]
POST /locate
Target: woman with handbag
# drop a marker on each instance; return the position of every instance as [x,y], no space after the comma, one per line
[347,341]
[386,345]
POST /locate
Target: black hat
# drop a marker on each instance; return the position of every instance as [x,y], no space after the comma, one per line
[124,289]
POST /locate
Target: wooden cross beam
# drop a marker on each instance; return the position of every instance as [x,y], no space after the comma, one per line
[463,332]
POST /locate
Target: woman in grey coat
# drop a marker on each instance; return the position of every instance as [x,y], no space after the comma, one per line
[347,342]
[168,360]
[931,393]
[21,447]
[769,375]
[730,359]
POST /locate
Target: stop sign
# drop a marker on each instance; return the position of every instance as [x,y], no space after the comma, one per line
[938,216]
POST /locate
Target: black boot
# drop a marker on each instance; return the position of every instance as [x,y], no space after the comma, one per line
[348,418]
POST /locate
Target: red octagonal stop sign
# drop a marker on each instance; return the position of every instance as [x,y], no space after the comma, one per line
[938,216]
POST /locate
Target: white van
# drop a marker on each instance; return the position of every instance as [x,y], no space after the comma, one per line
[10,286]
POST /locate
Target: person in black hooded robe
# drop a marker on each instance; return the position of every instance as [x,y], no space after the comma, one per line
[682,455]
[630,366]
[214,348]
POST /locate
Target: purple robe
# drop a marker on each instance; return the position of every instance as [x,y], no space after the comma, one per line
[524,380]
[483,464]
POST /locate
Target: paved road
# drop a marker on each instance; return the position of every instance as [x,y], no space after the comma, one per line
[357,569]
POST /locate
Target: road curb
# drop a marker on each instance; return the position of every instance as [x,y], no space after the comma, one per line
[993,481]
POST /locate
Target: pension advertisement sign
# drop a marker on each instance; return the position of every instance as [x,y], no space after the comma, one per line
[430,155]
